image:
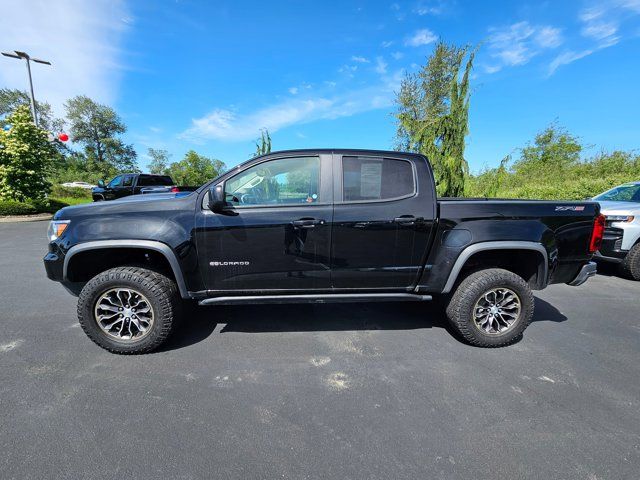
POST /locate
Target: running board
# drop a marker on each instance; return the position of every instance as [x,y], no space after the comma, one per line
[316,298]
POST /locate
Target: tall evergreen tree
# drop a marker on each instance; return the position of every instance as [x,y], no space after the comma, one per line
[433,115]
[263,144]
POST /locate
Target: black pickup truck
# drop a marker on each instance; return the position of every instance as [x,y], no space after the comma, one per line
[317,226]
[134,184]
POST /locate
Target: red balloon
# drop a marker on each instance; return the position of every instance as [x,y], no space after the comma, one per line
[63,137]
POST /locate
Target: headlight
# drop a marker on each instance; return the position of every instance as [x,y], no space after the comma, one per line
[620,218]
[57,228]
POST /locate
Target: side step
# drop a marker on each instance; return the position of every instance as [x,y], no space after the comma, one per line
[316,298]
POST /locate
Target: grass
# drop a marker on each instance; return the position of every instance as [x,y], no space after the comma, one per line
[72,200]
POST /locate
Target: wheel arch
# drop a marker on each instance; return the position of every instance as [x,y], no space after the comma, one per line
[542,259]
[149,245]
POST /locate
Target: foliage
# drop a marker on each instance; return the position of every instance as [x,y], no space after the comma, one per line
[159,161]
[433,115]
[97,128]
[48,205]
[195,170]
[26,156]
[11,207]
[70,192]
[263,144]
[10,99]
[551,168]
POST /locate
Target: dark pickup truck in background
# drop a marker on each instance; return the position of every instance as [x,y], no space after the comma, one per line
[134,184]
[317,226]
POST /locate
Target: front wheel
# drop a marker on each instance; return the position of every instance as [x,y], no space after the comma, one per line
[129,310]
[491,308]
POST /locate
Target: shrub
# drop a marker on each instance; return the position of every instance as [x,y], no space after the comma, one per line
[73,192]
[48,205]
[11,207]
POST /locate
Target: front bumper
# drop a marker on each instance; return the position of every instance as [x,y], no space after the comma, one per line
[587,271]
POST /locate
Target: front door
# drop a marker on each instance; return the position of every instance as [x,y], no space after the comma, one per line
[275,233]
[381,225]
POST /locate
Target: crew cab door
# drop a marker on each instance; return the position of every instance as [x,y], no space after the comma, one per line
[384,212]
[275,232]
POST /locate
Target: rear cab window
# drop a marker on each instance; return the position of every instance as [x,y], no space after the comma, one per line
[371,179]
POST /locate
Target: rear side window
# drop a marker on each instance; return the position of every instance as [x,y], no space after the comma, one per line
[154,180]
[371,178]
[128,180]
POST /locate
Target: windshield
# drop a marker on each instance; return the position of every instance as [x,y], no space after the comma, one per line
[623,193]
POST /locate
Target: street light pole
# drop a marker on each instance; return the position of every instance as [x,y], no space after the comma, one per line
[28,59]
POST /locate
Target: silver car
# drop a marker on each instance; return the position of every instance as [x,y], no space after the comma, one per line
[621,243]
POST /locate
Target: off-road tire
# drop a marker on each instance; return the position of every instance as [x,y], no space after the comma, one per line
[462,302]
[630,266]
[161,292]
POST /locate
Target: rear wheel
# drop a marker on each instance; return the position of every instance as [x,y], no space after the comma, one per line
[491,308]
[129,309]
[630,266]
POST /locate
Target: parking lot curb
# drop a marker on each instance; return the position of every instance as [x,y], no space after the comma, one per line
[25,218]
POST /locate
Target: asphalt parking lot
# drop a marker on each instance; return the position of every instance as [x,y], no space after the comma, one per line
[370,391]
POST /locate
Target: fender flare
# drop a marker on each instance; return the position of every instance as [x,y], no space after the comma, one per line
[159,247]
[501,245]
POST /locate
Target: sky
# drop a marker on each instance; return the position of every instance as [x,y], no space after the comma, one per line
[208,75]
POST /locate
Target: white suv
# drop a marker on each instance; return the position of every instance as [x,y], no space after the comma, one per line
[621,242]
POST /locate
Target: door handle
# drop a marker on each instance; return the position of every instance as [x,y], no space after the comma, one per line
[407,220]
[307,223]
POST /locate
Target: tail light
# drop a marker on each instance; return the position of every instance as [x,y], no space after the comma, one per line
[597,234]
[175,189]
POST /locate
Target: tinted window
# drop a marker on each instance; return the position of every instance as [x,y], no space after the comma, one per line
[287,181]
[370,178]
[115,182]
[128,181]
[155,180]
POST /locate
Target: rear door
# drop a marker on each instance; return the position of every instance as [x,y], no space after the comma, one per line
[126,188]
[383,217]
[276,231]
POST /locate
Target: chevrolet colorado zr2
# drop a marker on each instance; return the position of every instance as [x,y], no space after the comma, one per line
[317,226]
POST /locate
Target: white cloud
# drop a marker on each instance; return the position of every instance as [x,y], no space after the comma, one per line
[381,65]
[230,125]
[359,59]
[429,8]
[566,58]
[421,37]
[397,55]
[386,44]
[516,44]
[548,37]
[81,40]
[599,25]
[293,90]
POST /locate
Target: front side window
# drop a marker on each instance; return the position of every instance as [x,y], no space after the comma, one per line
[286,181]
[116,182]
[128,181]
[623,193]
[372,178]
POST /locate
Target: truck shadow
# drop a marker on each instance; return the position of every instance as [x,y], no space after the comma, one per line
[201,322]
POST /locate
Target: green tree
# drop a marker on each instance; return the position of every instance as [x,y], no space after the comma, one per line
[97,128]
[195,170]
[10,99]
[159,161]
[433,115]
[263,144]
[26,156]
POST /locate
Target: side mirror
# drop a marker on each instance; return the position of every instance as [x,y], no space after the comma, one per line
[101,183]
[216,198]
